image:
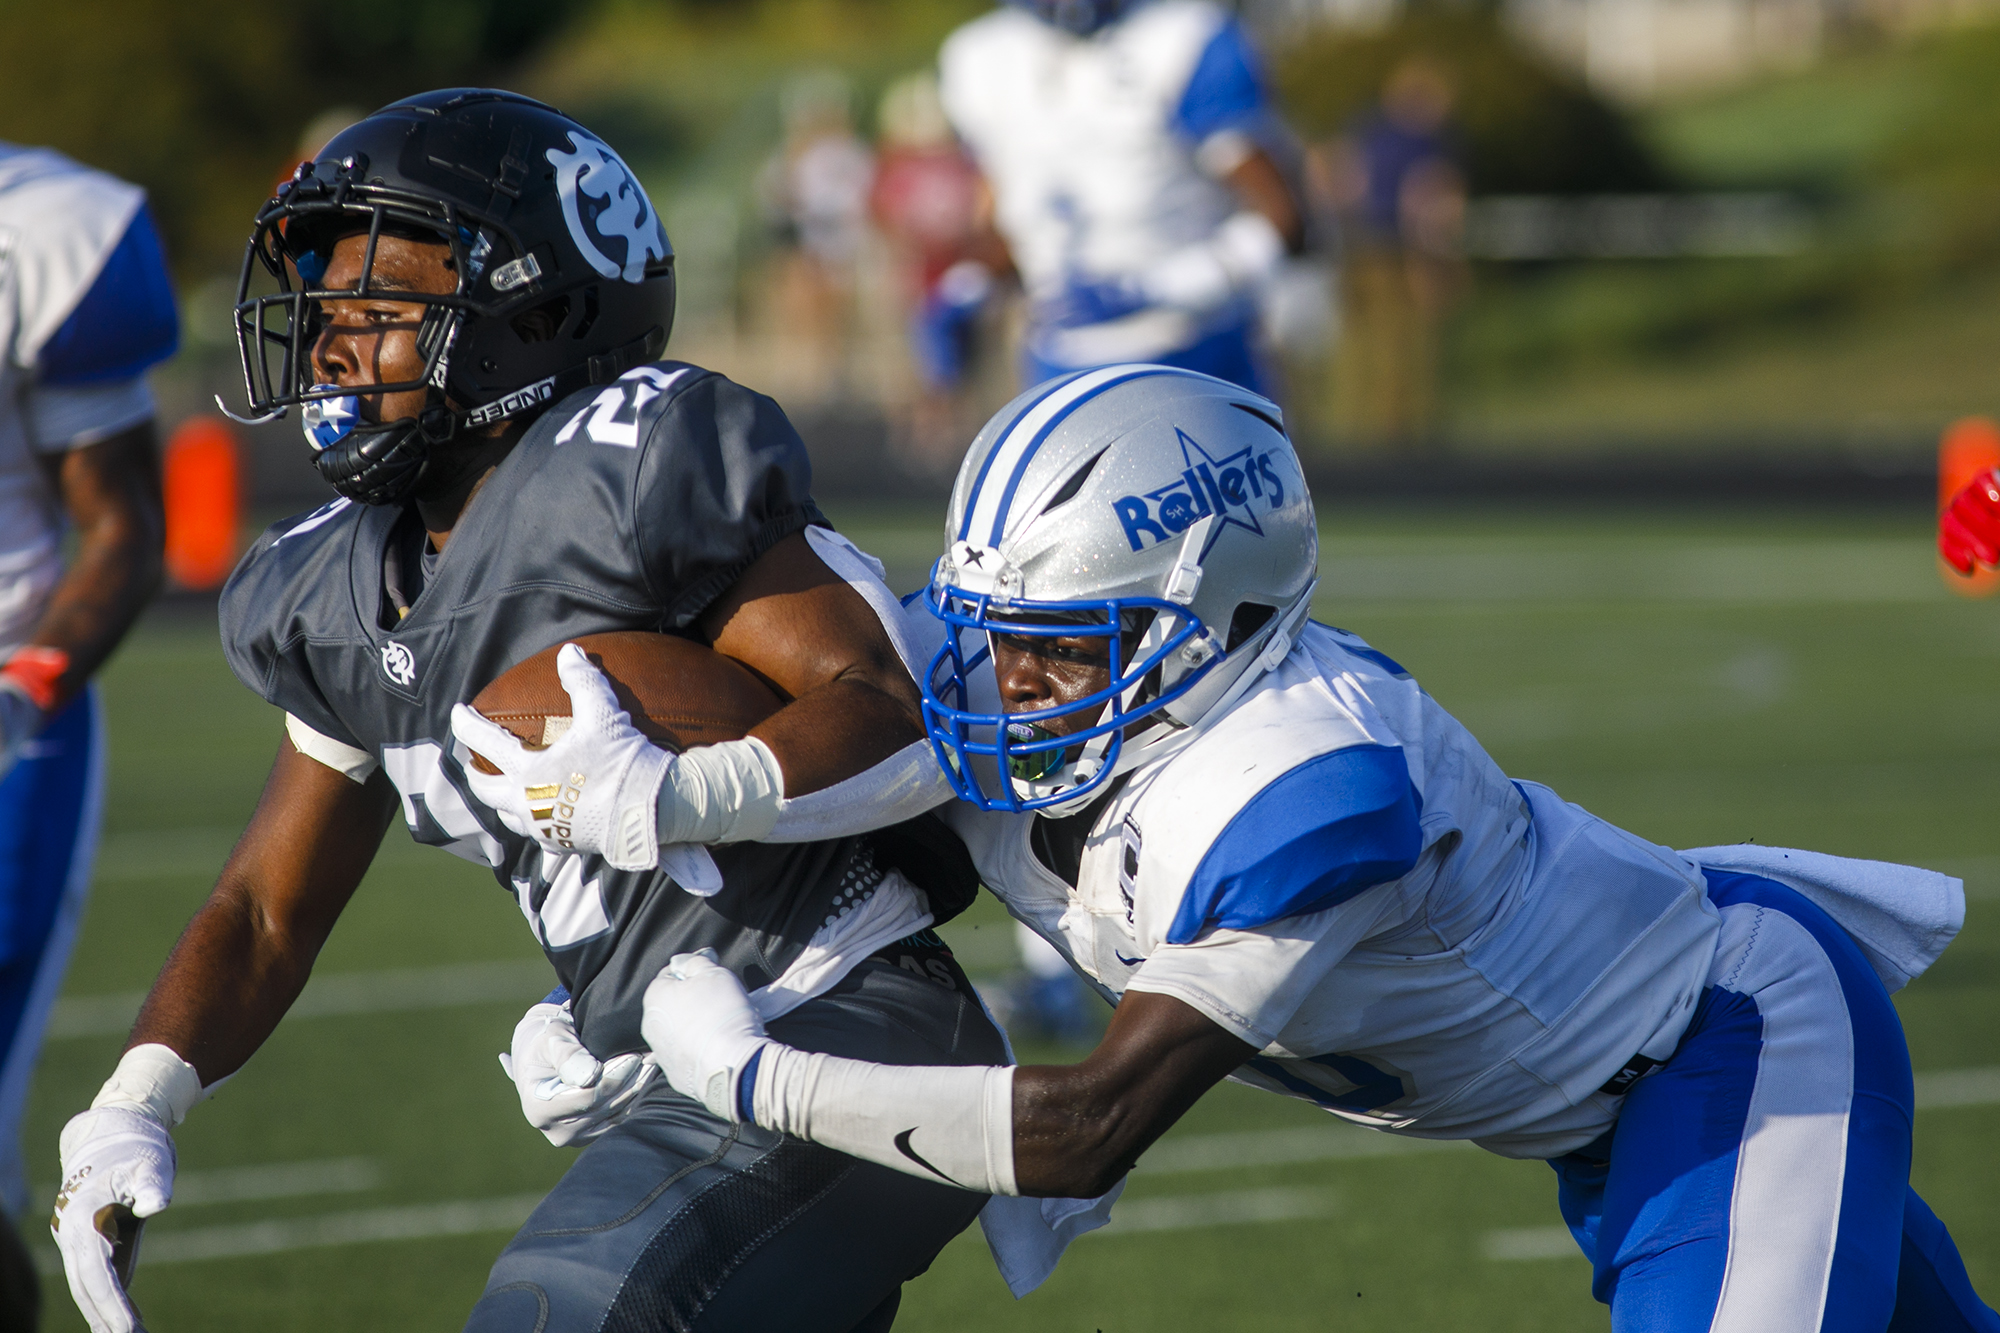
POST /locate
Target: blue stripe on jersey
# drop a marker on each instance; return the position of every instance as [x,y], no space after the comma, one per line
[1041,437]
[1226,90]
[125,322]
[1379,658]
[1332,827]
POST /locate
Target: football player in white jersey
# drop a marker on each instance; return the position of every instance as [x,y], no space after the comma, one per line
[1128,146]
[1289,866]
[85,309]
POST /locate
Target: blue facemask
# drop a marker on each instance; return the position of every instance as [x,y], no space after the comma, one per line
[328,421]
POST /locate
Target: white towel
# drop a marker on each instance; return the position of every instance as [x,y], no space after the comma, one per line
[1028,1236]
[1901,916]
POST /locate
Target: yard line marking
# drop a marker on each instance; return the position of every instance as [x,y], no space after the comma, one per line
[1529,1243]
[272,1180]
[465,1217]
[1886,570]
[1958,1087]
[1227,1208]
[394,990]
[1272,1147]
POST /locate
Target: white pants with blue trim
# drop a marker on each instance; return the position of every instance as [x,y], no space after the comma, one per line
[49,807]
[1758,1182]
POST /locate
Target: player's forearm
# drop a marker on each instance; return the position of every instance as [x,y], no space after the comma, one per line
[843,728]
[114,500]
[228,982]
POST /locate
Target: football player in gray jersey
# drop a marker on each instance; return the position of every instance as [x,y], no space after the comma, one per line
[465,294]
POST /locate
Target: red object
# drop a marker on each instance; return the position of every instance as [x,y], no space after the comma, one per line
[37,668]
[203,486]
[927,200]
[1969,528]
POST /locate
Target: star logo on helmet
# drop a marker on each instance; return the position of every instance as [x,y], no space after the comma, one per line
[1230,487]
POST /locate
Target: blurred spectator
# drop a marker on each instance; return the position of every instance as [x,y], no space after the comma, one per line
[815,194]
[934,210]
[1129,150]
[1395,181]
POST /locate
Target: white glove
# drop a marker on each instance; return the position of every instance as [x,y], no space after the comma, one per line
[595,790]
[20,719]
[566,1092]
[118,1170]
[698,1020]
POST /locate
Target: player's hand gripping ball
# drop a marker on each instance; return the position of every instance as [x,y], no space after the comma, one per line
[1969,527]
[566,1092]
[118,1170]
[703,1029]
[596,789]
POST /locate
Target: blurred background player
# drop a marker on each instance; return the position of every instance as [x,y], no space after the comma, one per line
[935,212]
[85,309]
[815,196]
[1400,195]
[1133,155]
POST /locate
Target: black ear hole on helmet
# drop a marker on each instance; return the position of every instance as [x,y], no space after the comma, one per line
[1249,618]
[1075,483]
[589,313]
[1262,416]
[540,324]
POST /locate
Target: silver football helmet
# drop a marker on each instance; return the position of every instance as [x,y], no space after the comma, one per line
[1158,508]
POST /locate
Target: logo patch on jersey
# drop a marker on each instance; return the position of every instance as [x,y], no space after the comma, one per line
[1130,846]
[1233,488]
[398,665]
[603,205]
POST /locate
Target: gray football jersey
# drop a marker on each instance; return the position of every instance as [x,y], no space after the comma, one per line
[627,507]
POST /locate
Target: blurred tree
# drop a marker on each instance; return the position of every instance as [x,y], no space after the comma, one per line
[203,104]
[1941,165]
[1522,126]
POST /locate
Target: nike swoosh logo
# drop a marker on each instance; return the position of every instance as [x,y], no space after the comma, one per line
[903,1147]
[1129,962]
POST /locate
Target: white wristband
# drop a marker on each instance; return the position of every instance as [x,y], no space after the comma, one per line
[1238,257]
[154,1081]
[901,787]
[721,793]
[953,1123]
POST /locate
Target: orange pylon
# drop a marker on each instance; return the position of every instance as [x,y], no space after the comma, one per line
[203,484]
[1971,445]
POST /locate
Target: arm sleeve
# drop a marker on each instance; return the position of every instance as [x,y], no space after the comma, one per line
[1332,827]
[725,478]
[125,323]
[1250,983]
[1226,91]
[88,384]
[351,762]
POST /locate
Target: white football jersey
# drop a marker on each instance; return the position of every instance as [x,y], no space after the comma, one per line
[1337,873]
[1092,145]
[58,224]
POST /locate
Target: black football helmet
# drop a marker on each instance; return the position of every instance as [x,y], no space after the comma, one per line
[540,216]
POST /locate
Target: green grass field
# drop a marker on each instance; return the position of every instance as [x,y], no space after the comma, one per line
[1799,679]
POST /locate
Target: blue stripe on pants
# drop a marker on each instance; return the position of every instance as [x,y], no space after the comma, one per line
[1654,1201]
[49,806]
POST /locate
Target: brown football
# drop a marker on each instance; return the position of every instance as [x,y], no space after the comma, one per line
[679,692]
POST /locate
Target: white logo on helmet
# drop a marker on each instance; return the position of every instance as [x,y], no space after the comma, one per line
[622,212]
[397,664]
